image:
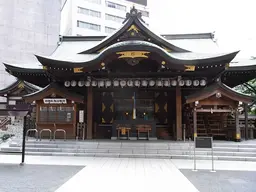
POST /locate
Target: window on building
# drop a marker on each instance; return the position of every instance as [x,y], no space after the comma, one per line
[59,114]
[86,25]
[89,12]
[94,1]
[144,13]
[115,6]
[114,18]
[109,29]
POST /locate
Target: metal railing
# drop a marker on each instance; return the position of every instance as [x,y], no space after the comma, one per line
[45,130]
[60,130]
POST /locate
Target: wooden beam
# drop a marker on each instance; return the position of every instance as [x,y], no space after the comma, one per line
[195,122]
[89,112]
[238,131]
[214,110]
[178,114]
[246,121]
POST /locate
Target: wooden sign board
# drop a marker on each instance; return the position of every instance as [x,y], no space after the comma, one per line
[203,142]
[55,101]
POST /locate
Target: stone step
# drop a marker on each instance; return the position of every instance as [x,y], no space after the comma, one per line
[92,146]
[140,143]
[164,156]
[130,151]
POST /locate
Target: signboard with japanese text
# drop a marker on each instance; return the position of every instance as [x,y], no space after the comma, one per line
[55,101]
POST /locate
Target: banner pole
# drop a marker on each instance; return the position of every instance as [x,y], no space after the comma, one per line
[212,158]
[194,154]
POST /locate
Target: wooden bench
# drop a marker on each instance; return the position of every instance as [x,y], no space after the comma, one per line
[123,130]
[143,129]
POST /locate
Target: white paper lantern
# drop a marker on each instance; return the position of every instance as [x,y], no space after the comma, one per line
[195,83]
[94,83]
[80,83]
[181,82]
[203,82]
[174,83]
[159,83]
[166,83]
[122,83]
[101,83]
[116,83]
[130,83]
[73,83]
[144,83]
[137,83]
[67,83]
[108,83]
[152,83]
[87,83]
[188,82]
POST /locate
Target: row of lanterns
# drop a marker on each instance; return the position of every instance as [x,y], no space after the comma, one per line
[135,83]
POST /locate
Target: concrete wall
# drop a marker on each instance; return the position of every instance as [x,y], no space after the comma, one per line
[27,27]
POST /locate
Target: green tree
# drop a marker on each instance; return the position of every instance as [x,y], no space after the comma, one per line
[249,88]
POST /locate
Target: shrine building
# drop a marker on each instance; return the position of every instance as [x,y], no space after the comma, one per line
[134,84]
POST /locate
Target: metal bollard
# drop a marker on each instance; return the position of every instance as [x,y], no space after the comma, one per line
[189,143]
[184,135]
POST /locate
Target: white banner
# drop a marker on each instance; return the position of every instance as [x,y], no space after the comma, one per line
[55,101]
[81,116]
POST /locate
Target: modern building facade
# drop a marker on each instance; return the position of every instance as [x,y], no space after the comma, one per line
[97,17]
[27,27]
[134,84]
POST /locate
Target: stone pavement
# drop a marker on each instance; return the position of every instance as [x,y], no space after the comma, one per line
[115,174]
[34,178]
[129,175]
[222,181]
[126,174]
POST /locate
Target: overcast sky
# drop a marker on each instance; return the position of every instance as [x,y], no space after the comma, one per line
[234,21]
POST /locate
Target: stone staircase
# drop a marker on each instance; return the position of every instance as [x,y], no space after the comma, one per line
[231,151]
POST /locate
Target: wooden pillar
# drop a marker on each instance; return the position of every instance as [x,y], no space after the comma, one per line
[246,121]
[89,112]
[195,122]
[178,114]
[238,131]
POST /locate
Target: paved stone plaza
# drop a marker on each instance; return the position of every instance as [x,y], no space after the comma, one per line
[34,178]
[63,174]
[222,181]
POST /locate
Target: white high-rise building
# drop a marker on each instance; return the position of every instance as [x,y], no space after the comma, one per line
[97,17]
[26,28]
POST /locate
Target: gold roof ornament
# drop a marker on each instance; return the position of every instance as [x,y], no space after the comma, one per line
[190,67]
[44,67]
[112,108]
[227,65]
[163,62]
[165,107]
[166,49]
[134,28]
[103,107]
[21,85]
[133,54]
[101,50]
[78,70]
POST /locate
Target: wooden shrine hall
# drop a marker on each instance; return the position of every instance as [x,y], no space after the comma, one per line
[135,84]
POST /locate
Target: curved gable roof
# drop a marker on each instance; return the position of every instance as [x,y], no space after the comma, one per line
[134,24]
[215,88]
[93,60]
[53,88]
[18,85]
